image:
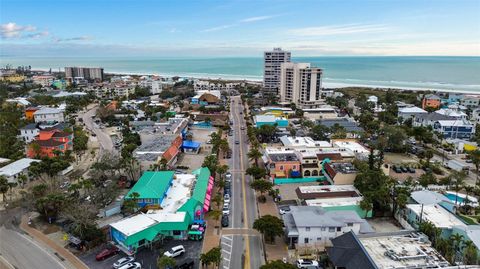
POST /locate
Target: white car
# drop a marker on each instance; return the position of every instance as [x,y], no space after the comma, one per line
[228,176]
[175,251]
[284,210]
[226,209]
[306,263]
[123,261]
[226,198]
[132,265]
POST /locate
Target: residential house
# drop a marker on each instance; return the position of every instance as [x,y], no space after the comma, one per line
[49,115]
[410,112]
[431,100]
[352,128]
[49,141]
[315,227]
[470,101]
[461,128]
[205,98]
[29,132]
[14,170]
[29,112]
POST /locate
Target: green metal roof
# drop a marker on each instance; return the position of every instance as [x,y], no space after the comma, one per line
[152,184]
[203,175]
[151,232]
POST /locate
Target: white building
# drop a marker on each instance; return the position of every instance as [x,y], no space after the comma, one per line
[303,142]
[204,85]
[88,73]
[271,71]
[29,132]
[476,116]
[48,114]
[410,112]
[301,84]
[44,80]
[470,100]
[13,171]
[312,226]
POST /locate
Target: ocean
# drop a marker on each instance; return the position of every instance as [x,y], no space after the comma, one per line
[460,74]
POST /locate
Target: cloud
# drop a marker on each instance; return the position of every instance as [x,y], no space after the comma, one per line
[258,18]
[338,29]
[78,38]
[218,28]
[13,30]
[242,21]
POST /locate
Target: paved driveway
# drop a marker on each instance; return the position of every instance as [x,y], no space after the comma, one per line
[147,257]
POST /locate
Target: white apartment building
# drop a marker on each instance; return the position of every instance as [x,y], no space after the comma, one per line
[44,80]
[154,85]
[203,85]
[49,114]
[301,84]
[88,73]
[271,71]
[111,91]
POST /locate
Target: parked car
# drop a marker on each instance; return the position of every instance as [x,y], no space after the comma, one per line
[175,251]
[228,176]
[284,210]
[187,264]
[306,263]
[226,190]
[411,170]
[121,262]
[403,169]
[225,221]
[132,265]
[226,198]
[242,128]
[396,169]
[237,142]
[106,253]
[226,209]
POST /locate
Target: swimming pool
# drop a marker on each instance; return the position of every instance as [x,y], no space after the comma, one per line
[461,198]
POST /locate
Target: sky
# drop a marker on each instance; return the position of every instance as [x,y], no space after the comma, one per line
[239,28]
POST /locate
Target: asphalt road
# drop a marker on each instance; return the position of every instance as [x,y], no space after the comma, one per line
[240,249]
[18,250]
[103,138]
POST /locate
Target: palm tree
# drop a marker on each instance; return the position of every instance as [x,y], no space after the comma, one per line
[215,214]
[254,154]
[468,190]
[222,169]
[457,240]
[459,178]
[165,262]
[217,199]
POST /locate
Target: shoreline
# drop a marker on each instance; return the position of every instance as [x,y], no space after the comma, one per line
[327,85]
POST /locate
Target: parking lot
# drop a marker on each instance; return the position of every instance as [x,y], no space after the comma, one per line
[147,257]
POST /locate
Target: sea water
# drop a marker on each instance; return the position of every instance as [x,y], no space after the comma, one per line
[433,72]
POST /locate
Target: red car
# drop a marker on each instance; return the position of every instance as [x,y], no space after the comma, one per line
[108,252]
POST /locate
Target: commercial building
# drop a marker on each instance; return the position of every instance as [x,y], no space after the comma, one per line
[173,202]
[315,227]
[434,213]
[49,115]
[470,101]
[271,120]
[166,146]
[397,250]
[203,85]
[88,73]
[321,112]
[208,97]
[296,142]
[333,198]
[43,80]
[340,173]
[462,129]
[301,84]
[282,163]
[14,170]
[271,71]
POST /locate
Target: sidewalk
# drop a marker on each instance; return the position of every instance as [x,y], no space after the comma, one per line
[276,251]
[59,250]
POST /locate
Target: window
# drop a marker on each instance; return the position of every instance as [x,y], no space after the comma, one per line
[349,224]
[323,229]
[331,229]
[307,229]
[339,229]
[319,239]
[305,240]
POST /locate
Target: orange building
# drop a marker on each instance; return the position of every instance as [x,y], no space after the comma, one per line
[172,151]
[29,112]
[50,140]
[283,165]
[431,100]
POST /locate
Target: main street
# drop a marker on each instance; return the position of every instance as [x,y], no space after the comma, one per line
[103,138]
[18,250]
[241,245]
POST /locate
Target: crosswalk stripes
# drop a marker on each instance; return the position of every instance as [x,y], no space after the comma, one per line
[226,245]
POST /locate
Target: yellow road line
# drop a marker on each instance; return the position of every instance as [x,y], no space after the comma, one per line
[245,215]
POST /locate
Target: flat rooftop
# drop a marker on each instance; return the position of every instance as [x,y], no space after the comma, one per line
[327,188]
[344,168]
[439,216]
[308,142]
[350,145]
[327,191]
[412,250]
[283,157]
[332,202]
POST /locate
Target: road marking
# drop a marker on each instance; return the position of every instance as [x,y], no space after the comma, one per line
[245,215]
[6,263]
[228,252]
[228,238]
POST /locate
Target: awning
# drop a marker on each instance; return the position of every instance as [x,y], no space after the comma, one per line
[295,174]
[190,144]
[195,233]
[206,205]
[207,197]
[279,174]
